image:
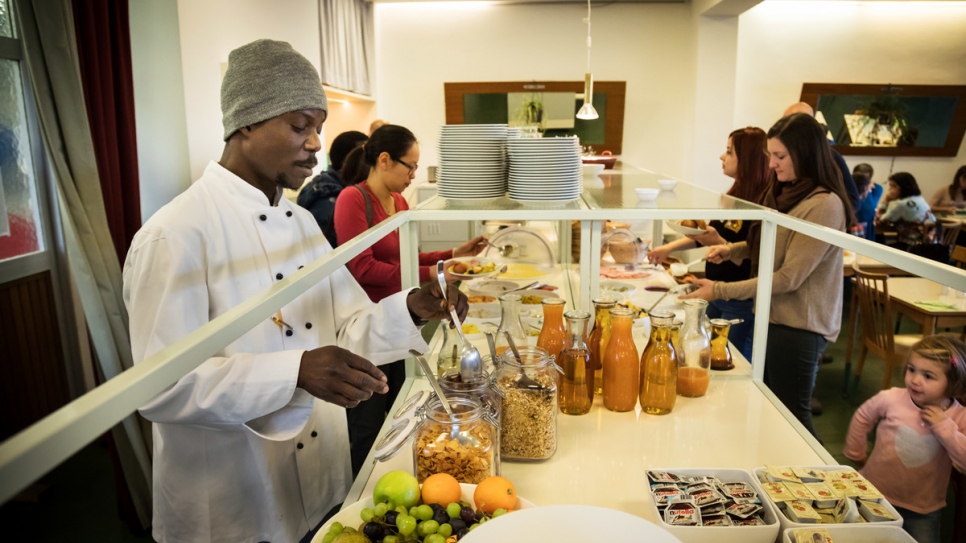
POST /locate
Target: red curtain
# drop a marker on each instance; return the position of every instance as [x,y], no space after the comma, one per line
[104,47]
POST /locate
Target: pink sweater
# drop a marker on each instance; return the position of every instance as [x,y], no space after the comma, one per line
[910,463]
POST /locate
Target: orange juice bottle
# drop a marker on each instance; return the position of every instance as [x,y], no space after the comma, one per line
[598,340]
[659,367]
[621,368]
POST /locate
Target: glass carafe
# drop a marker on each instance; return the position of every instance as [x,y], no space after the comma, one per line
[598,340]
[621,366]
[577,382]
[509,322]
[529,386]
[553,335]
[659,367]
[449,353]
[694,355]
[720,352]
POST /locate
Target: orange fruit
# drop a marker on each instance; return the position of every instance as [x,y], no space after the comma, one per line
[441,488]
[494,493]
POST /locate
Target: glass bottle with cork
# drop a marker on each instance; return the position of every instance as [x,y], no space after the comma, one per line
[598,340]
[577,383]
[659,367]
[621,366]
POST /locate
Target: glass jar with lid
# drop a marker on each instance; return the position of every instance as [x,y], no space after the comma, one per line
[529,422]
[465,445]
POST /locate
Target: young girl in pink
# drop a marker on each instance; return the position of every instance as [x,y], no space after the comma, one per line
[919,434]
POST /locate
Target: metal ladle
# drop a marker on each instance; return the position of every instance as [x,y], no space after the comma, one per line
[471,363]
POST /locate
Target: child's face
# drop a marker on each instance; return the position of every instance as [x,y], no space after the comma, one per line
[926,381]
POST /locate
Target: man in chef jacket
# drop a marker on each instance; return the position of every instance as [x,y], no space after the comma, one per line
[252,445]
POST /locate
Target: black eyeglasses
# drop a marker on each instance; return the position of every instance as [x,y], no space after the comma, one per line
[412,168]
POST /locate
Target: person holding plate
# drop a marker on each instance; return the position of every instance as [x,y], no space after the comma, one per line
[376,174]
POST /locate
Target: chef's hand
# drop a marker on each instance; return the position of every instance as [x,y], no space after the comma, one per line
[427,302]
[933,415]
[718,254]
[705,289]
[472,247]
[657,255]
[335,375]
[709,237]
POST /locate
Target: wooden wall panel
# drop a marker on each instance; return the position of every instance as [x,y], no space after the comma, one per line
[33,378]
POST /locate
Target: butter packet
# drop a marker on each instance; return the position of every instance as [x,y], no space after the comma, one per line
[682,512]
[875,511]
[809,475]
[778,492]
[823,495]
[812,535]
[801,512]
[778,474]
[799,492]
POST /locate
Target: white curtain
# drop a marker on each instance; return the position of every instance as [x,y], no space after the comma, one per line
[345,27]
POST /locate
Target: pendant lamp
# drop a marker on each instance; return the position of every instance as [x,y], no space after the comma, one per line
[587,111]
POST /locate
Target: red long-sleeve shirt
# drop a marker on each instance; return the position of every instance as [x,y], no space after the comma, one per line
[377,268]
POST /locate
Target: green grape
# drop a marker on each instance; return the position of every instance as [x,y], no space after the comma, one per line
[427,527]
[336,528]
[445,530]
[499,512]
[366,514]
[434,538]
[406,524]
[453,510]
[424,512]
[390,539]
[381,509]
[328,537]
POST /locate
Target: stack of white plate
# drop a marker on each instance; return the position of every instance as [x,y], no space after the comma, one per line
[544,169]
[472,161]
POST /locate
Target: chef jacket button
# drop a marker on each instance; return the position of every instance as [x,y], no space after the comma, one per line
[289,332]
[288,213]
[308,326]
[314,433]
[279,276]
[263,217]
[299,446]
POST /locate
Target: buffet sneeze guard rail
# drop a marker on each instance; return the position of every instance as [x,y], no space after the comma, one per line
[27,456]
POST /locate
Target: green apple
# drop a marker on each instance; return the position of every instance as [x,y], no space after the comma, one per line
[398,487]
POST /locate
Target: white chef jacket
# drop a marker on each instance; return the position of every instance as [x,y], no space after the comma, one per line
[241,454]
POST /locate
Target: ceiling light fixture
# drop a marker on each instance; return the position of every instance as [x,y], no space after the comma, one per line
[587,111]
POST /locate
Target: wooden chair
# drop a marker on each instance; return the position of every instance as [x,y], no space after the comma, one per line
[878,336]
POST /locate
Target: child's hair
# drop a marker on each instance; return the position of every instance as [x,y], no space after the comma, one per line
[949,351]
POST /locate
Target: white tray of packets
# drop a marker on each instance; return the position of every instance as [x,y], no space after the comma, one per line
[832,495]
[700,505]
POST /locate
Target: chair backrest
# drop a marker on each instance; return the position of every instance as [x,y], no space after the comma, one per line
[876,310]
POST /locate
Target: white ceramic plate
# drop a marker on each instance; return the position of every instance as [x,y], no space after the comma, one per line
[349,515]
[684,230]
[482,262]
[570,524]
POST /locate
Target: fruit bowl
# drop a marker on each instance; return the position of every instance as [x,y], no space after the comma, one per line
[349,514]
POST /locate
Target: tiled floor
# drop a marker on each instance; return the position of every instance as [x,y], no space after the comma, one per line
[79,503]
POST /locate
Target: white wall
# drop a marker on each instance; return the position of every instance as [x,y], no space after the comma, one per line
[421,46]
[782,44]
[159,103]
[210,29]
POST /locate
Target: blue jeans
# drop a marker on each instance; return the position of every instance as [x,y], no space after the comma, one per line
[741,334]
[791,364]
[924,528]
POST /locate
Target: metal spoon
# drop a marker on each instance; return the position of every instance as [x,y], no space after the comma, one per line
[432,380]
[471,363]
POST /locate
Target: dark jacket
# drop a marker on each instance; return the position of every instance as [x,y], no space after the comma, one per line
[319,198]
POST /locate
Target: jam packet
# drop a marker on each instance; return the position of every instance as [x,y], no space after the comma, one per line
[682,512]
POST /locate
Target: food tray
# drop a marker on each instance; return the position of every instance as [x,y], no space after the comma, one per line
[715,534]
[788,523]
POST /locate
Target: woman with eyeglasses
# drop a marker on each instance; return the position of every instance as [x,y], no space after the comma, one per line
[376,174]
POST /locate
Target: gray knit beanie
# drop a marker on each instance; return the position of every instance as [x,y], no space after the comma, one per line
[267,78]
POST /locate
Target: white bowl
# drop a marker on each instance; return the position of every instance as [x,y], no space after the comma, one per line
[349,514]
[668,184]
[647,194]
[490,287]
[617,289]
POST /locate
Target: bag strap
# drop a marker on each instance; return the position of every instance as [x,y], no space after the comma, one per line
[365,196]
